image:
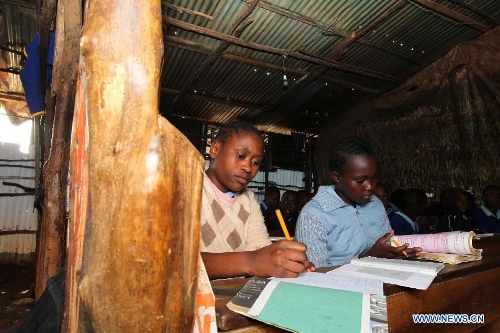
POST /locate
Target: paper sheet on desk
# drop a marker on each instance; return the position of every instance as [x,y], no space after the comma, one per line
[405,273]
[338,281]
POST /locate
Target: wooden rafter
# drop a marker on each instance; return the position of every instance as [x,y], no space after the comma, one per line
[477,11]
[327,30]
[210,99]
[453,15]
[293,90]
[341,47]
[278,51]
[195,47]
[241,23]
[187,11]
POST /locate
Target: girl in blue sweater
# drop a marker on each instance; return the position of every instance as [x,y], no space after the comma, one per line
[344,220]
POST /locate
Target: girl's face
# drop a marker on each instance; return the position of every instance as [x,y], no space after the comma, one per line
[462,203]
[355,183]
[289,204]
[381,193]
[236,162]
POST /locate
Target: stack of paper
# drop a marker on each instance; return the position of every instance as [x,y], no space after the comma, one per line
[407,273]
[449,247]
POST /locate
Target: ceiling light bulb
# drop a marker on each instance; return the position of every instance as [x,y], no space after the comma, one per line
[285,81]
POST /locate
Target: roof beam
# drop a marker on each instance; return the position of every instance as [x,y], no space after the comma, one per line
[187,11]
[341,47]
[239,26]
[280,52]
[195,47]
[477,11]
[453,15]
[210,99]
[327,30]
[291,91]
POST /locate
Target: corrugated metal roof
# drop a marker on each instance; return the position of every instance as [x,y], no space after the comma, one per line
[18,29]
[250,72]
[17,212]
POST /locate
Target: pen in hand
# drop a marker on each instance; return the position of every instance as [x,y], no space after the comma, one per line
[397,245]
[282,223]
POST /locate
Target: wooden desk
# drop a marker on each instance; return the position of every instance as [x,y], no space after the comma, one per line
[467,288]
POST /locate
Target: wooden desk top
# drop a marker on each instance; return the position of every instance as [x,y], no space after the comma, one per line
[467,288]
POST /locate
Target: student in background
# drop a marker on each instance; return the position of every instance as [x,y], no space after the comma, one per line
[488,215]
[234,241]
[460,217]
[381,192]
[405,222]
[289,205]
[271,198]
[439,208]
[304,197]
[345,221]
[396,203]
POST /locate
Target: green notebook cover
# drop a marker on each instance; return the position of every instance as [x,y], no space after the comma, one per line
[303,308]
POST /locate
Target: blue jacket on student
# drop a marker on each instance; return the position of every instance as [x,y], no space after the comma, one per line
[403,225]
[489,222]
[335,232]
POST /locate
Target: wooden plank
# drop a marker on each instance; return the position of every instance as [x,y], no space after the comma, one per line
[51,242]
[133,243]
[474,294]
[468,288]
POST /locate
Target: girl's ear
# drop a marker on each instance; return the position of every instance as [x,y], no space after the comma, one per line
[214,149]
[335,177]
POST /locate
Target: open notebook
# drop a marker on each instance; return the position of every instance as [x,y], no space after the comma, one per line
[303,308]
[406,273]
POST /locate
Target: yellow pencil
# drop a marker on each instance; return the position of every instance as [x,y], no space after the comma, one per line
[283,225]
[397,244]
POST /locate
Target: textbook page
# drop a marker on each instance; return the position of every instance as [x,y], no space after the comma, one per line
[401,272]
[341,282]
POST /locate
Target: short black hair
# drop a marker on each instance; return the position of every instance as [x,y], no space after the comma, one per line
[345,148]
[414,196]
[396,198]
[292,192]
[233,128]
[272,189]
[490,188]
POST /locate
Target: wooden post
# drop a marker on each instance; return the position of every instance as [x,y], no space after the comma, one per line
[135,190]
[58,118]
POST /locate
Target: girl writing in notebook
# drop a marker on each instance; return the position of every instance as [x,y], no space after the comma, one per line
[234,237]
[344,220]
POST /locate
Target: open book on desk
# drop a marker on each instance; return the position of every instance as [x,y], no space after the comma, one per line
[301,307]
[449,247]
[406,273]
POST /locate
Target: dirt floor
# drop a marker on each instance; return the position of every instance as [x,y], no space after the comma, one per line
[16,294]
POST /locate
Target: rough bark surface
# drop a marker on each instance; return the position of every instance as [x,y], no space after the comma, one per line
[51,245]
[135,200]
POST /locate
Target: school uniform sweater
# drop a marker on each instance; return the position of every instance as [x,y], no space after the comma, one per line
[335,232]
[231,224]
